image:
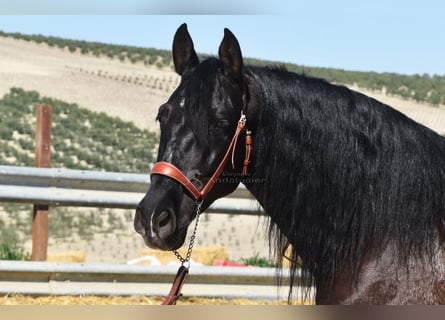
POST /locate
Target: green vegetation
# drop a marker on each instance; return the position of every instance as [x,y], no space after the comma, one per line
[8,252]
[66,224]
[147,56]
[81,139]
[258,261]
[422,88]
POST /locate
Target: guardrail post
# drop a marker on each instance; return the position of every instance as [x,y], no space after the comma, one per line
[42,160]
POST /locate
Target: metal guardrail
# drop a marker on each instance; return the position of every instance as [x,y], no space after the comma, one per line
[66,187]
[52,278]
[81,188]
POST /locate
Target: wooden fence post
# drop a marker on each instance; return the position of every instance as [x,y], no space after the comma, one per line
[42,160]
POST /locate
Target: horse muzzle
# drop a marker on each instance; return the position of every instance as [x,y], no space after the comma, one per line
[159,229]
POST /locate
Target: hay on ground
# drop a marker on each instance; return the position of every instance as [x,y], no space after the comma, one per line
[205,255]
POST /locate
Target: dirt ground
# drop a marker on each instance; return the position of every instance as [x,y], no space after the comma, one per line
[133,300]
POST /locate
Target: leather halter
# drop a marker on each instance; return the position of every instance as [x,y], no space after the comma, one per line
[169,170]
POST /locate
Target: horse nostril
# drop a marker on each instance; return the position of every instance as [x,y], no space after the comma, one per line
[164,223]
[163,219]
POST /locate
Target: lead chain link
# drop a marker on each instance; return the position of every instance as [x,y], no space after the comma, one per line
[186,261]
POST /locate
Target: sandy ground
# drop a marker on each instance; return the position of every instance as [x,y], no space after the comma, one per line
[126,90]
[129,301]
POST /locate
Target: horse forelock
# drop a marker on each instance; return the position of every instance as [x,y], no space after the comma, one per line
[202,87]
[198,91]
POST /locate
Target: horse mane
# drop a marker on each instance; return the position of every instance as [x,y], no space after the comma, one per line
[344,175]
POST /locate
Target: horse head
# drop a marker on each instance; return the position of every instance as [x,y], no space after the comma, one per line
[197,126]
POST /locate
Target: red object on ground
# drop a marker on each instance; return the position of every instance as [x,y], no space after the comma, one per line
[220,263]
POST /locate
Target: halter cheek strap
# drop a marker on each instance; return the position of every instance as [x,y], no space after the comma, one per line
[169,170]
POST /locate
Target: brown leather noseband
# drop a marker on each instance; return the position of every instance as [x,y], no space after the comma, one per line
[171,171]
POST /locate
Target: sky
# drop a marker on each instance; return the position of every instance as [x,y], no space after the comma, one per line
[406,37]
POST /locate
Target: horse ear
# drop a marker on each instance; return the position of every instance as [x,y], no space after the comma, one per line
[184,55]
[230,56]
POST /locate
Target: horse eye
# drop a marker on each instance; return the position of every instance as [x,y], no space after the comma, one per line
[162,113]
[159,117]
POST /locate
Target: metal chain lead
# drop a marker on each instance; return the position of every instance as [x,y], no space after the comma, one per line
[186,261]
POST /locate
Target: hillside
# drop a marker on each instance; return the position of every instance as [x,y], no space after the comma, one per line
[81,139]
[122,89]
[421,88]
[108,78]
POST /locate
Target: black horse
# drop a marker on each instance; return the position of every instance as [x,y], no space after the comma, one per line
[352,187]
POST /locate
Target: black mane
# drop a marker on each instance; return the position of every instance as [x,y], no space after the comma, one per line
[343,170]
